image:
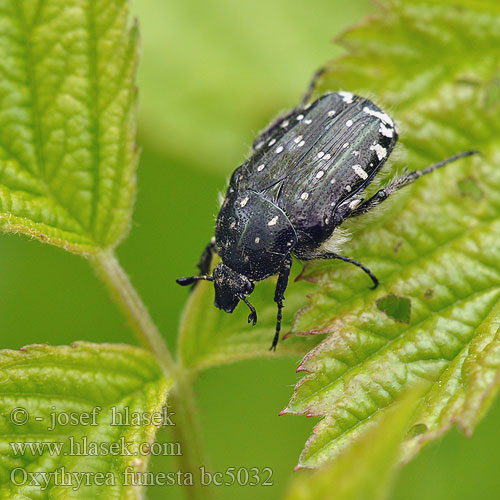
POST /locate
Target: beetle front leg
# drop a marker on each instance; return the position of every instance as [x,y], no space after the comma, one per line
[206,257]
[279,297]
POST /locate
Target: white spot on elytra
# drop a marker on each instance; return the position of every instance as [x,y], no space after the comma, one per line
[320,154]
[387,131]
[304,196]
[348,123]
[300,117]
[308,122]
[232,225]
[381,151]
[273,221]
[331,112]
[298,139]
[212,240]
[260,168]
[328,156]
[244,201]
[346,96]
[271,142]
[320,174]
[348,188]
[380,115]
[259,145]
[358,170]
[346,145]
[257,240]
[354,204]
[301,143]
[332,181]
[279,149]
[355,153]
[285,124]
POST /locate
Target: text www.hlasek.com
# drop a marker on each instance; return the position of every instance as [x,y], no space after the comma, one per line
[84,447]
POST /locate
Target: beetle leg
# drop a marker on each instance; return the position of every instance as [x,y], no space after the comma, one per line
[206,257]
[356,263]
[331,255]
[252,317]
[403,181]
[312,86]
[279,297]
[193,279]
[269,131]
[203,265]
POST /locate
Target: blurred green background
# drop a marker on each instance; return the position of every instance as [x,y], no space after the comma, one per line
[213,74]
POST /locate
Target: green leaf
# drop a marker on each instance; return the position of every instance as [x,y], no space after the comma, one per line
[43,380]
[67,116]
[209,336]
[364,470]
[436,315]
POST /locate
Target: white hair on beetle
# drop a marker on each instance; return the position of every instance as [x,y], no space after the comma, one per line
[337,240]
[220,198]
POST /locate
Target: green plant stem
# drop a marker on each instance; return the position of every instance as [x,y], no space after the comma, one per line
[187,429]
[121,289]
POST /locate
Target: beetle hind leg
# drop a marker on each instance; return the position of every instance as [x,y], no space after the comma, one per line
[312,85]
[401,182]
[269,131]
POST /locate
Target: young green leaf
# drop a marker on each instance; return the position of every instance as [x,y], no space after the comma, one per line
[59,403]
[67,115]
[435,317]
[364,470]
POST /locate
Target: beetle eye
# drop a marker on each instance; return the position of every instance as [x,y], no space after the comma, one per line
[249,286]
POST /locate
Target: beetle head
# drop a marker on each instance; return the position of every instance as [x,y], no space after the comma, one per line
[230,287]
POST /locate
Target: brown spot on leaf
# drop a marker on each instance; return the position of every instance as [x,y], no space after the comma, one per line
[469,187]
[416,430]
[398,245]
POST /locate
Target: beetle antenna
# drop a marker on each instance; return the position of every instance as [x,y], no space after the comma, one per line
[252,317]
[192,279]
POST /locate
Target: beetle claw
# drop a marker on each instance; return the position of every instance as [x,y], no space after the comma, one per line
[252,318]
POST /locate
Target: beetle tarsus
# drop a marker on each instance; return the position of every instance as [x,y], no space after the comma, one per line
[403,181]
[252,317]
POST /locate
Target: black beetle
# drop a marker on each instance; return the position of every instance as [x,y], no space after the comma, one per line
[303,180]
